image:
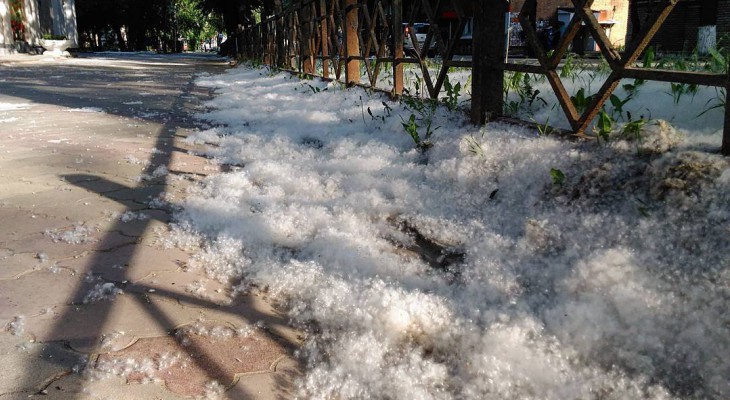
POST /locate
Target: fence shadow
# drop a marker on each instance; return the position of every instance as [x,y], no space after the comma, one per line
[93,323]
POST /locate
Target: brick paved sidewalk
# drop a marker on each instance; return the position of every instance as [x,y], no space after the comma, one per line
[92,303]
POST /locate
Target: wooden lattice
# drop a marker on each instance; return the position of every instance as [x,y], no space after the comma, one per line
[444,48]
[321,37]
[617,63]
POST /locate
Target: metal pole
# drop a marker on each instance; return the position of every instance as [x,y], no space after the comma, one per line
[508,28]
[726,130]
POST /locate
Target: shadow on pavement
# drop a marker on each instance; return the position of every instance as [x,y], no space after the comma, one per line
[110,92]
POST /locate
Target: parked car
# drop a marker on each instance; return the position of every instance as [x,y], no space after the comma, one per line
[420,29]
[464,44]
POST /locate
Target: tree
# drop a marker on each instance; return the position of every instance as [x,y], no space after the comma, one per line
[194,23]
[145,24]
[127,24]
[707,32]
[238,14]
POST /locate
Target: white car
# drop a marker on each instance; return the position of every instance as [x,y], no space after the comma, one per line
[421,31]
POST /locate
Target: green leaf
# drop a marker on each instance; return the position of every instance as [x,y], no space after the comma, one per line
[615,101]
[557,176]
[604,125]
[649,57]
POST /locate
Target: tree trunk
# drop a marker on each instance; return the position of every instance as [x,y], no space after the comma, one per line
[707,31]
[6,30]
[122,43]
[32,26]
[268,8]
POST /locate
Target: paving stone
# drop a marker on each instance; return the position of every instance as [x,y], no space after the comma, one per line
[32,293]
[119,294]
[213,302]
[26,367]
[129,263]
[46,195]
[97,183]
[81,387]
[140,195]
[277,385]
[155,234]
[140,222]
[13,265]
[23,186]
[183,162]
[19,223]
[93,240]
[115,170]
[98,322]
[189,289]
[61,162]
[11,174]
[250,308]
[195,356]
[88,327]
[73,203]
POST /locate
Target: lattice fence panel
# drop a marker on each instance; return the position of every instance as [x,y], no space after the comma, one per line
[311,36]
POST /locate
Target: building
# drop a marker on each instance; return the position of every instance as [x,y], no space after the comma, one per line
[24,22]
[613,15]
[680,30]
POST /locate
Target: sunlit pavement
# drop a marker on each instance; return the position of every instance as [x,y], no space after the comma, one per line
[93,302]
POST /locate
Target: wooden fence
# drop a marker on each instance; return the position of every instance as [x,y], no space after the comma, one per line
[332,39]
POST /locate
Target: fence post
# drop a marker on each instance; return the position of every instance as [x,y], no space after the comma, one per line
[488,60]
[352,42]
[305,24]
[397,47]
[726,130]
[262,41]
[266,42]
[279,31]
[324,38]
[293,42]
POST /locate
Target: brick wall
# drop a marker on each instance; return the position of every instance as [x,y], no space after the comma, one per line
[723,22]
[545,8]
[679,32]
[618,11]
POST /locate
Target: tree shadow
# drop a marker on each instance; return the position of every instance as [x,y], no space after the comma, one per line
[118,89]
